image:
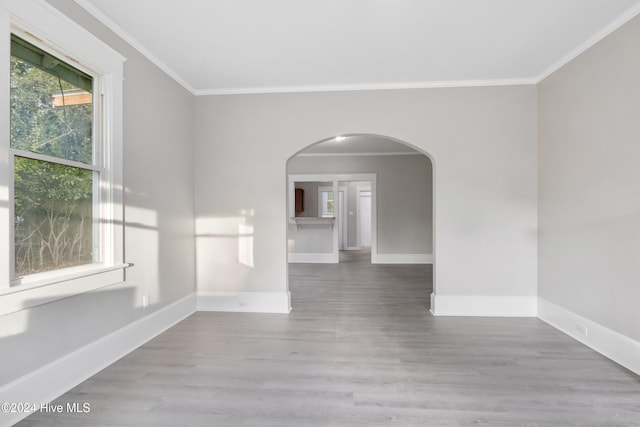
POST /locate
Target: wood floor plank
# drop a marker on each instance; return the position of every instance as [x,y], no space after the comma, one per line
[359,349]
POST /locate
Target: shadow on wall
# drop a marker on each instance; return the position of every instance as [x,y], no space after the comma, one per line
[78,321]
[48,329]
[159,245]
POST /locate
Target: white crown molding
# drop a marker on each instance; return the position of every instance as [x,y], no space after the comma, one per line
[363,87]
[124,35]
[590,42]
[393,153]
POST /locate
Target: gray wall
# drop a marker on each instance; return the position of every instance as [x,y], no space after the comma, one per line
[311,197]
[484,145]
[158,177]
[589,258]
[483,142]
[404,197]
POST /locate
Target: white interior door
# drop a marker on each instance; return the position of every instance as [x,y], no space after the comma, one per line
[364,218]
[342,221]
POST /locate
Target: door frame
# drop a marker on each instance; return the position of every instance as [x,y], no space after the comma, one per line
[340,212]
[359,189]
[335,179]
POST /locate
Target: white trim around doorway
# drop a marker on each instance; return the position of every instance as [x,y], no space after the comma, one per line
[335,179]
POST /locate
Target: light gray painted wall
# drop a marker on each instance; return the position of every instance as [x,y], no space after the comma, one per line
[311,197]
[158,155]
[404,196]
[483,141]
[589,257]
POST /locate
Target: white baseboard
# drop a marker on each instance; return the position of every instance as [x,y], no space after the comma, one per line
[496,306]
[56,378]
[311,258]
[403,259]
[617,347]
[250,302]
[352,248]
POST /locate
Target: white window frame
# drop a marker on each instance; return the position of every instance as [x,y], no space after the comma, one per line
[44,26]
[322,207]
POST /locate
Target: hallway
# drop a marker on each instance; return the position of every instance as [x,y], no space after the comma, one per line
[355,288]
[359,349]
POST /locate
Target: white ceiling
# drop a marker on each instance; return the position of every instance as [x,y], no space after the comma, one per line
[253,46]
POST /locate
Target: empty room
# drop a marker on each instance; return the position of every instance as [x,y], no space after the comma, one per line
[320,213]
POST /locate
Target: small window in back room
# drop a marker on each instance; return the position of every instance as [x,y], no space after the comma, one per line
[326,207]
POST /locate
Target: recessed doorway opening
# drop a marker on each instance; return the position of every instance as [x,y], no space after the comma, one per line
[360,197]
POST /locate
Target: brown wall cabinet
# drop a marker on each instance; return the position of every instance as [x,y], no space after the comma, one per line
[299,200]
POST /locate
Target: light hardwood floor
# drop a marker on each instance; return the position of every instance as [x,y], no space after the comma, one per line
[359,349]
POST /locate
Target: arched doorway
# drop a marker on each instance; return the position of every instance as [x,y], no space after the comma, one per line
[333,183]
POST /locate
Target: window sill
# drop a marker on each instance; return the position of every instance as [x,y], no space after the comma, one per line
[43,288]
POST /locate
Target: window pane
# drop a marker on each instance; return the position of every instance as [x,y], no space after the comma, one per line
[330,203]
[53,216]
[327,203]
[51,105]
